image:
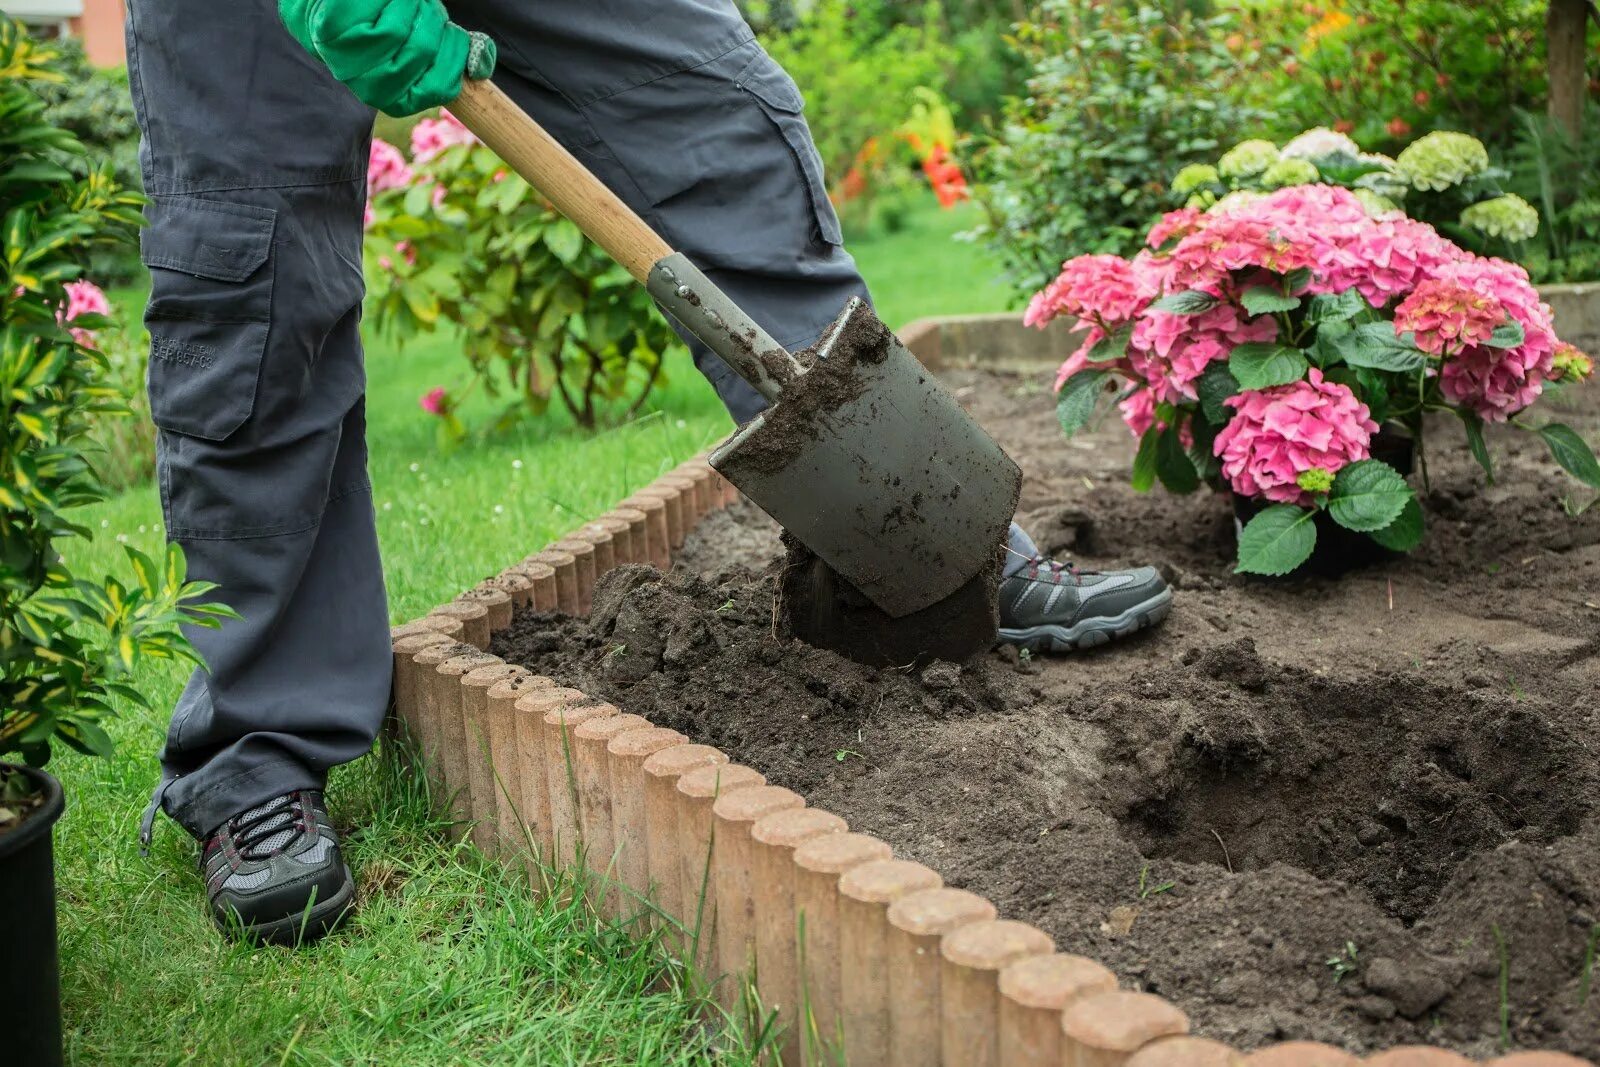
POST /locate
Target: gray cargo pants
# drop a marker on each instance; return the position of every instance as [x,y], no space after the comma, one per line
[255,159]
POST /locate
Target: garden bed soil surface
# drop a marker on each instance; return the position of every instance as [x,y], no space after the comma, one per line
[1340,810]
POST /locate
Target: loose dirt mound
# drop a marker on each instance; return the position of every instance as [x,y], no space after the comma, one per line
[1402,763]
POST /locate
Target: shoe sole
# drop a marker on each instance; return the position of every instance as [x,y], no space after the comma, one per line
[1092,632]
[306,926]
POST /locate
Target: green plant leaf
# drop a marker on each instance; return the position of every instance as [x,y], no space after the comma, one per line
[1572,452]
[1265,300]
[1113,346]
[1508,334]
[1368,495]
[1173,465]
[1297,279]
[1076,402]
[1144,462]
[1374,345]
[1263,364]
[1405,532]
[1216,385]
[1188,302]
[565,240]
[1335,307]
[1277,540]
[1480,448]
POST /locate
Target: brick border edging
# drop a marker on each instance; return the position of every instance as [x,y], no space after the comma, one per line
[888,966]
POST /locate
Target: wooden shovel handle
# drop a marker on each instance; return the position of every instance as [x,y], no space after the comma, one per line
[551,169]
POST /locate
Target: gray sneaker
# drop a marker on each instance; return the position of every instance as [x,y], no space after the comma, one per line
[274,873]
[1055,607]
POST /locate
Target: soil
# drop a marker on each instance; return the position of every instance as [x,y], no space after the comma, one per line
[1344,810]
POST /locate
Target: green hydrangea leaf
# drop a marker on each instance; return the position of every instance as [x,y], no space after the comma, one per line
[1264,364]
[1265,300]
[1076,402]
[1277,540]
[1188,302]
[1216,385]
[1405,532]
[1374,345]
[1572,452]
[1173,465]
[1113,346]
[1480,448]
[1368,495]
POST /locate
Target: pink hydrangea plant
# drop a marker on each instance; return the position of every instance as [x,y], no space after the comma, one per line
[432,136]
[84,298]
[1278,434]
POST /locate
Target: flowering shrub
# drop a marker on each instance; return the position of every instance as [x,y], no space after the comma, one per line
[69,644]
[881,171]
[1258,346]
[453,238]
[1112,106]
[1442,178]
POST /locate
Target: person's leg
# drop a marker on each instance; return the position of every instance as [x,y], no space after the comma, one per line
[675,105]
[255,159]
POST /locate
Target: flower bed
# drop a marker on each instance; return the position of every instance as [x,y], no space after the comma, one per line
[1421,775]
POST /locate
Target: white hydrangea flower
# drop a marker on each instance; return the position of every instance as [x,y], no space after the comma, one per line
[1509,216]
[1193,177]
[1378,206]
[1248,158]
[1318,142]
[1237,198]
[1441,159]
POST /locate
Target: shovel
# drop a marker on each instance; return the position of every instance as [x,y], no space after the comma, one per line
[862,457]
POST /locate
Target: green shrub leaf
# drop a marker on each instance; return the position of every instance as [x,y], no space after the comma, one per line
[1216,385]
[1335,307]
[1480,448]
[1508,334]
[1572,452]
[1144,461]
[1263,364]
[1112,346]
[1368,495]
[1277,540]
[1173,465]
[1405,532]
[1188,302]
[1374,345]
[1076,402]
[1265,300]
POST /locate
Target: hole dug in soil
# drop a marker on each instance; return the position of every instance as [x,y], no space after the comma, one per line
[1402,761]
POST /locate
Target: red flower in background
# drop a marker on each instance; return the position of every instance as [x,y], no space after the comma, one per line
[1398,127]
[949,184]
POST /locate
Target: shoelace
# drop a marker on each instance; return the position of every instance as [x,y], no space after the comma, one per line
[1053,570]
[262,832]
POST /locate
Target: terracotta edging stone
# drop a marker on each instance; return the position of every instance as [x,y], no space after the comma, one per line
[733,869]
[638,531]
[671,498]
[519,587]
[1106,1030]
[1301,1054]
[865,893]
[496,602]
[565,566]
[658,536]
[581,549]
[626,753]
[661,773]
[688,502]
[917,922]
[474,621]
[475,686]
[1538,1059]
[599,538]
[818,866]
[1033,994]
[971,959]
[1186,1052]
[1417,1056]
[698,790]
[773,841]
[592,771]
[533,771]
[620,533]
[451,697]
[563,714]
[408,682]
[505,758]
[431,690]
[543,596]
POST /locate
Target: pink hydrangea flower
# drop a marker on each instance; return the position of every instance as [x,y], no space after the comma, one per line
[386,168]
[1139,411]
[1103,288]
[83,298]
[1171,351]
[1231,242]
[1277,434]
[1178,223]
[432,136]
[1499,382]
[1446,316]
[435,401]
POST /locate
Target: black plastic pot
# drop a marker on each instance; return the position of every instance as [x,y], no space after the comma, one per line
[30,980]
[1340,550]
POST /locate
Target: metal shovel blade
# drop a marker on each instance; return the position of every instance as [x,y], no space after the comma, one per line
[895,487]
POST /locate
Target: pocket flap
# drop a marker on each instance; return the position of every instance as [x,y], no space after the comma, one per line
[767,81]
[207,239]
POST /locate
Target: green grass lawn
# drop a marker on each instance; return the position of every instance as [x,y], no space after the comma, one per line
[451,959]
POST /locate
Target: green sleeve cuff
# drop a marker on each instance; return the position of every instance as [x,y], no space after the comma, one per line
[481,55]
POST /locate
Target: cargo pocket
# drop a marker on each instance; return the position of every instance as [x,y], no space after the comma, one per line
[783,105]
[210,305]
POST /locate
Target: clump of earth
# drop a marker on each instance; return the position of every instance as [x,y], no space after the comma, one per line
[1335,809]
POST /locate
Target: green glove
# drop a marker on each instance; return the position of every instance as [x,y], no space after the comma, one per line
[399,56]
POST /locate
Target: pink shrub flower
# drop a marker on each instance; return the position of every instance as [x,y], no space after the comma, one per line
[1230,242]
[84,298]
[1494,382]
[1446,316]
[1170,351]
[1280,433]
[1139,411]
[435,401]
[1102,288]
[432,136]
[1178,223]
[386,168]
